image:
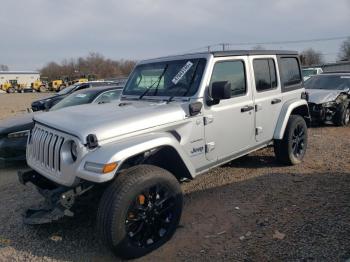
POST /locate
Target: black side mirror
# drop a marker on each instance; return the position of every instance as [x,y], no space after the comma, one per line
[219,90]
[47,106]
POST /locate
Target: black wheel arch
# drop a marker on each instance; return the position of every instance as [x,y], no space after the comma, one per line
[304,112]
[165,157]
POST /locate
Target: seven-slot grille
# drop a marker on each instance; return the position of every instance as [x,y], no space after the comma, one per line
[45,148]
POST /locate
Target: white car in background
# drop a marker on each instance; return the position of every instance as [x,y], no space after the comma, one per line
[311,71]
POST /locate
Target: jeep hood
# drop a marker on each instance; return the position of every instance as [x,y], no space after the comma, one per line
[320,96]
[112,119]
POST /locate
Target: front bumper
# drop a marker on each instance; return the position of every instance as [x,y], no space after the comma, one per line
[13,149]
[59,200]
[322,112]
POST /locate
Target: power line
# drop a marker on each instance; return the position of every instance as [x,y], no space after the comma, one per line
[224,45]
[294,41]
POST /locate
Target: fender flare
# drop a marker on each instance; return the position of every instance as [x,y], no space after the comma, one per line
[120,151]
[286,111]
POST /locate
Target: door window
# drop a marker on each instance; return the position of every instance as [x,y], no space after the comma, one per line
[109,96]
[265,74]
[234,73]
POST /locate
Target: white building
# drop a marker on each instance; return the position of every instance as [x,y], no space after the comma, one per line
[22,77]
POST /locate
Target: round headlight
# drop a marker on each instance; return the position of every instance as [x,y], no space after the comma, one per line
[340,98]
[74,150]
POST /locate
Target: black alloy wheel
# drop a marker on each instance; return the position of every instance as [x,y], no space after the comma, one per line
[150,216]
[298,141]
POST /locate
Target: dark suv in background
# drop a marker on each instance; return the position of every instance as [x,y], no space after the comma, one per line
[47,103]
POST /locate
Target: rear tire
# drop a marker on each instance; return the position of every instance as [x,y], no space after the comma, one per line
[139,211]
[291,149]
[342,117]
[11,90]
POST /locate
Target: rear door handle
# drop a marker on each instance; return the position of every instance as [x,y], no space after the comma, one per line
[246,108]
[276,101]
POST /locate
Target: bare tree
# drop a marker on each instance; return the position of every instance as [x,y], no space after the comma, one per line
[345,50]
[311,57]
[4,67]
[92,65]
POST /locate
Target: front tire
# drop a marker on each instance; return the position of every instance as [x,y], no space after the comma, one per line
[140,211]
[292,148]
[42,89]
[11,90]
[342,118]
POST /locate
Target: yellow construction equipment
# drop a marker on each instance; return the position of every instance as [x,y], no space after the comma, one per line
[80,80]
[39,86]
[10,86]
[57,85]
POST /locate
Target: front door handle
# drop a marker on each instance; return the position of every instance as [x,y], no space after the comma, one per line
[246,108]
[276,101]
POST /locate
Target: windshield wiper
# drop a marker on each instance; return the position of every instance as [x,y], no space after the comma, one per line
[156,82]
[189,84]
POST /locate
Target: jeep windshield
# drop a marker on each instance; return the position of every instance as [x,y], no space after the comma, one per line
[328,82]
[176,78]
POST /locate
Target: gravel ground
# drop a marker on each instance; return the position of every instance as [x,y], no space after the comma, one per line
[14,104]
[252,209]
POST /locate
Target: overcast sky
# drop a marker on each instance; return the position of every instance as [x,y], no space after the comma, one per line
[34,32]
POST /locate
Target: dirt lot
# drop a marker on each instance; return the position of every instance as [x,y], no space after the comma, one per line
[252,209]
[12,104]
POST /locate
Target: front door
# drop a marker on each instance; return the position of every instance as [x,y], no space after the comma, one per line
[229,125]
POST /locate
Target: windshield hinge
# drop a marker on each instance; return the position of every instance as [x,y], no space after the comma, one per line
[208,120]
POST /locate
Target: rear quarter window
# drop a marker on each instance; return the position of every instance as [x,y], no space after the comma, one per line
[290,71]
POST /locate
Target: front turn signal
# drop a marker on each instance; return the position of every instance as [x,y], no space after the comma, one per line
[109,167]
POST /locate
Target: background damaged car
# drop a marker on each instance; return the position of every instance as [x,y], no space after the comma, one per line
[329,96]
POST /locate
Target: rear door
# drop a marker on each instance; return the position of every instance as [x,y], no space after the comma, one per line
[267,94]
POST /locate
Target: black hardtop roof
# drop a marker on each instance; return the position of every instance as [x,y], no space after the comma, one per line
[252,52]
[224,54]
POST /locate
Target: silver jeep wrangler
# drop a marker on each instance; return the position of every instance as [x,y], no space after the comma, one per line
[178,117]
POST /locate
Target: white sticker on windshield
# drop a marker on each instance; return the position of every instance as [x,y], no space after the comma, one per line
[81,95]
[182,72]
[345,77]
